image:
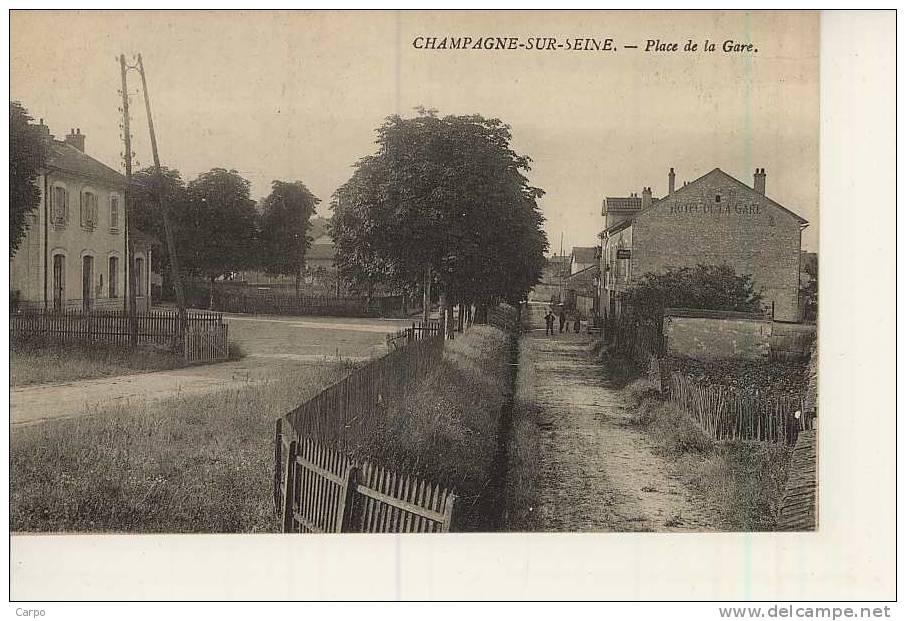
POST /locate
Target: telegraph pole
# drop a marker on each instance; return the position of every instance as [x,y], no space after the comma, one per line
[129,296]
[560,269]
[162,205]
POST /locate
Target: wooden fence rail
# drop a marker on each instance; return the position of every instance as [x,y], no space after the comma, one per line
[325,491]
[206,337]
[416,332]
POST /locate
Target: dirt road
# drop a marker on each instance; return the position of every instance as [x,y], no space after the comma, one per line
[598,472]
[273,345]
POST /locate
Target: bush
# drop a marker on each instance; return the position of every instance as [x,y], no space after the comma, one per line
[712,287]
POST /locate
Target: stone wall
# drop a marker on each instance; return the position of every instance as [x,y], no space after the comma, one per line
[711,338]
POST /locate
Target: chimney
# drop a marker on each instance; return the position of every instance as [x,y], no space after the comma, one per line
[759,180]
[646,197]
[671,182]
[77,139]
[44,130]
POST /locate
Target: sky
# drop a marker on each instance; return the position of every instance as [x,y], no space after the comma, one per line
[298,95]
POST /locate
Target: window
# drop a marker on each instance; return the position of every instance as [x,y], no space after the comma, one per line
[113,264]
[59,207]
[138,277]
[89,210]
[717,198]
[114,212]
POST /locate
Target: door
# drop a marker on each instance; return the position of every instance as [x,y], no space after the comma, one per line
[87,280]
[59,271]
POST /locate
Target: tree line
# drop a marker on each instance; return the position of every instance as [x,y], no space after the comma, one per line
[219,229]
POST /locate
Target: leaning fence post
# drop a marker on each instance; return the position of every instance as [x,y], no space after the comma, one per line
[448,513]
[290,488]
[346,513]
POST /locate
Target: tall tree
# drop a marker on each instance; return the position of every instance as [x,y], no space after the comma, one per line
[285,221]
[445,200]
[144,216]
[219,223]
[27,156]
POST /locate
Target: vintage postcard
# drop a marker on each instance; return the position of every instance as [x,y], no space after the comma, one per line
[414,272]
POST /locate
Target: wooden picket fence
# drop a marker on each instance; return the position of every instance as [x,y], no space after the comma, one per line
[345,411]
[637,341]
[206,337]
[207,344]
[799,507]
[325,491]
[418,331]
[341,416]
[727,413]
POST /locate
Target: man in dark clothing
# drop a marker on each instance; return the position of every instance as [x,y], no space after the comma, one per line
[562,318]
[549,323]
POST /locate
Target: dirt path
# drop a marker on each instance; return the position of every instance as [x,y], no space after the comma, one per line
[273,345]
[599,473]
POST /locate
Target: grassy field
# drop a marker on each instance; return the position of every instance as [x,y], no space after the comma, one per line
[740,481]
[34,363]
[446,430]
[191,464]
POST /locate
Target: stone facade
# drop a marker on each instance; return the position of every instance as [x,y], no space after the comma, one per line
[709,338]
[713,220]
[73,255]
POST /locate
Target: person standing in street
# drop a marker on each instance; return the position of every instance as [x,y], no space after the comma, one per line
[562,318]
[549,323]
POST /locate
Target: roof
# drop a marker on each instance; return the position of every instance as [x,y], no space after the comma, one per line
[622,202]
[619,226]
[558,258]
[321,251]
[718,171]
[585,254]
[67,158]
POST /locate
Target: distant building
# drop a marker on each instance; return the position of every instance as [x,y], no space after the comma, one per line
[74,254]
[553,276]
[322,254]
[713,220]
[320,262]
[583,257]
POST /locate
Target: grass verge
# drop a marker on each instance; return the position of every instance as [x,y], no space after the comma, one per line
[190,464]
[446,429]
[741,482]
[38,363]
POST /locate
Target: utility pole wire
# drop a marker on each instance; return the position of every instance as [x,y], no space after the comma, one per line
[162,205]
[129,297]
